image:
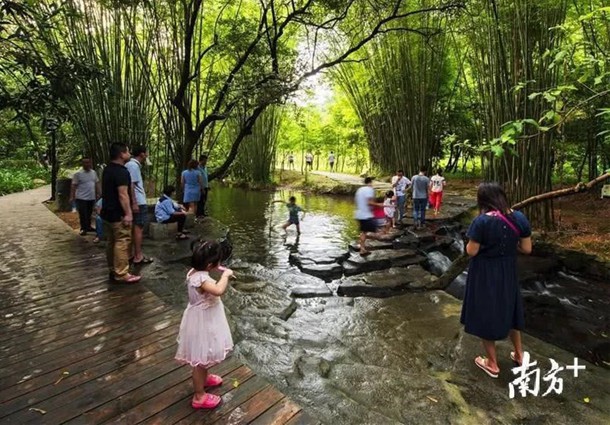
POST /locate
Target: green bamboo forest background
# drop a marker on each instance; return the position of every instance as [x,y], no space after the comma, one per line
[515,91]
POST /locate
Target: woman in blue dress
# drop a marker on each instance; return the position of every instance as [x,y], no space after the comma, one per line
[493,308]
[192,186]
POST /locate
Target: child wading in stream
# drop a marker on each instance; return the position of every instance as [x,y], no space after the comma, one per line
[293,214]
[205,338]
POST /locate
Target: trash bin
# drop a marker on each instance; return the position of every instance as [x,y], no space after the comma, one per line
[62,195]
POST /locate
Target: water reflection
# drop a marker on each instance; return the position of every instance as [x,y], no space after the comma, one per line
[255,220]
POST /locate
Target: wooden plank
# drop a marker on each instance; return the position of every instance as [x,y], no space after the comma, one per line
[48,385]
[43,313]
[73,303]
[52,350]
[302,418]
[246,412]
[230,401]
[70,404]
[68,355]
[164,408]
[80,323]
[280,413]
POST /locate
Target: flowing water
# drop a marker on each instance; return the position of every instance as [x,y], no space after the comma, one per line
[324,355]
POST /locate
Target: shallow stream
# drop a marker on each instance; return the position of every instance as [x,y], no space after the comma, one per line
[325,355]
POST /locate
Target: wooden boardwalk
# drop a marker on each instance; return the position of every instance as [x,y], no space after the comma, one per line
[75,350]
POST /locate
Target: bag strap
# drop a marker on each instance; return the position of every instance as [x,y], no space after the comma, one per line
[506,220]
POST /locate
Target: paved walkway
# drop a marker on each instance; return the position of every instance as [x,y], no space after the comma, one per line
[76,350]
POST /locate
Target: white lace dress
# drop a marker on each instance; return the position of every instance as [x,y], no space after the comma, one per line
[205,337]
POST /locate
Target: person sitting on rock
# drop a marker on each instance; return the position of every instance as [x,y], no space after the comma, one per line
[168,211]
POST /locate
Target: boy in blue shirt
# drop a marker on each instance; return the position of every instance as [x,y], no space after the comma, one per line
[293,214]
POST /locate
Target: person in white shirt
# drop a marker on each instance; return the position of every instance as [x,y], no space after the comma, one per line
[331,161]
[309,160]
[85,190]
[291,161]
[437,184]
[400,185]
[365,200]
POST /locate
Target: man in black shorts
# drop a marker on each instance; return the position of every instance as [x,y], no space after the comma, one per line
[365,199]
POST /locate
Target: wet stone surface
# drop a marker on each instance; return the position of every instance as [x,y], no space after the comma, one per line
[385,283]
[380,260]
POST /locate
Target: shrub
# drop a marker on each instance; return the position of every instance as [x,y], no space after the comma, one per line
[18,175]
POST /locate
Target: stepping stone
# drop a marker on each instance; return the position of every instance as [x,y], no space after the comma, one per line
[447,229]
[385,283]
[311,291]
[407,241]
[326,272]
[438,244]
[380,260]
[372,245]
[317,257]
[423,235]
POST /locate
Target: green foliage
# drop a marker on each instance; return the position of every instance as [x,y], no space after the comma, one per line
[18,175]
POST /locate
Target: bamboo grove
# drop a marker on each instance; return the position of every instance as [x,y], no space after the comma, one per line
[518,88]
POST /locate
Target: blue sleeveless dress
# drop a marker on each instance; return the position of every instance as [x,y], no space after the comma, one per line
[492,300]
[192,188]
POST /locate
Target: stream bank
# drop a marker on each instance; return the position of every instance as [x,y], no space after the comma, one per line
[398,359]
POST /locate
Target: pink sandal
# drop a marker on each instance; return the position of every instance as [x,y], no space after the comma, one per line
[481,362]
[210,401]
[213,381]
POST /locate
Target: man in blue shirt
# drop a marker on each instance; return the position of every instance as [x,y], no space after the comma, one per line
[168,211]
[203,170]
[420,183]
[139,207]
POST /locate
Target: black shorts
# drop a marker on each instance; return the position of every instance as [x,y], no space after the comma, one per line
[368,225]
[141,218]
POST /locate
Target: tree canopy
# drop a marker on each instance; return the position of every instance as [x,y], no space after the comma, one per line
[518,88]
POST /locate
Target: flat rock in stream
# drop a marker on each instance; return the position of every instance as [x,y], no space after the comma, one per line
[327,272]
[439,243]
[385,283]
[423,235]
[380,260]
[311,291]
[372,245]
[407,241]
[320,256]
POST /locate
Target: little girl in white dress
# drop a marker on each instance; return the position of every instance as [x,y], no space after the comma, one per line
[205,337]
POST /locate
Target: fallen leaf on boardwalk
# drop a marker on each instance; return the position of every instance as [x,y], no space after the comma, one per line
[235,383]
[432,399]
[586,399]
[63,375]
[34,409]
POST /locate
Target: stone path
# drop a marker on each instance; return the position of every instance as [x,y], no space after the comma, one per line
[76,350]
